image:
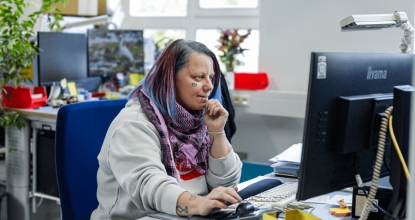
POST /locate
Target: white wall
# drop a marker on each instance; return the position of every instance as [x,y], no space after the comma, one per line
[263,136]
[289,32]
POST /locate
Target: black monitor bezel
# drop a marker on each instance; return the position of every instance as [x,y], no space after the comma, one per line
[318,159]
[50,83]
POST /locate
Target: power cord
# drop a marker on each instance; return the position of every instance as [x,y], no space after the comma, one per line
[386,120]
[378,164]
[360,182]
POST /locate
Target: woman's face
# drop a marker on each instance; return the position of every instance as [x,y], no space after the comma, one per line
[194,82]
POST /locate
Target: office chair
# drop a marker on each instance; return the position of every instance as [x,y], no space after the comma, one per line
[80,132]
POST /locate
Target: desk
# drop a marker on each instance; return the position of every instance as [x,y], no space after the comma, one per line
[321,210]
[19,145]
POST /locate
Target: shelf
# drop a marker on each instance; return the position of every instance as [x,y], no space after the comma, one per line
[270,102]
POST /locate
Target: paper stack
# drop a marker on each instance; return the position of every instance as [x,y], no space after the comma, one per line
[288,162]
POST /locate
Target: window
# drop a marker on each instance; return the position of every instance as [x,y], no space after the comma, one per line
[167,20]
[163,37]
[228,3]
[249,59]
[158,8]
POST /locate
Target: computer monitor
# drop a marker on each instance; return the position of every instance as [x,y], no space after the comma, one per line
[61,55]
[115,51]
[346,95]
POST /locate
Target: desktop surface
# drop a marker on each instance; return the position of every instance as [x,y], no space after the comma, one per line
[43,112]
[321,209]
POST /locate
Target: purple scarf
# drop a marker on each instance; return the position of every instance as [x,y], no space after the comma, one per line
[187,134]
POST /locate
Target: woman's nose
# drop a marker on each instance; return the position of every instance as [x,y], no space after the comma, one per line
[208,86]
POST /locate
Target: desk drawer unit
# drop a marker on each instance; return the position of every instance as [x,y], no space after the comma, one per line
[46,173]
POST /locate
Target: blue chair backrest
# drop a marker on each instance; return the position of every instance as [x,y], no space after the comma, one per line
[80,132]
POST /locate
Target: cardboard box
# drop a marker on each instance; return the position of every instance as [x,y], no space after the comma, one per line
[83,8]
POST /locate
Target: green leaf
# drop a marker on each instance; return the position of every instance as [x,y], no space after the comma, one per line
[58,10]
[37,13]
[11,44]
[23,124]
[58,17]
[9,96]
[20,9]
[34,3]
[15,117]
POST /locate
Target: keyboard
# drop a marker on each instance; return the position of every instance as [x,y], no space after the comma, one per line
[277,197]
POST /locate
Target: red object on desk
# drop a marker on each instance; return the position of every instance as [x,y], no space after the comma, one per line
[98,94]
[21,97]
[251,81]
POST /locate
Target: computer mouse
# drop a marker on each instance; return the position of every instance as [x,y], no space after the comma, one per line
[244,208]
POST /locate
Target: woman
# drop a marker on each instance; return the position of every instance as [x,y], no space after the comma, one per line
[167,146]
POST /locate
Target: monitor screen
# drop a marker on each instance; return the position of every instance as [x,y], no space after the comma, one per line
[346,94]
[115,51]
[61,55]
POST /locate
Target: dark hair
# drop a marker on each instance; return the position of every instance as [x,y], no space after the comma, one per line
[159,82]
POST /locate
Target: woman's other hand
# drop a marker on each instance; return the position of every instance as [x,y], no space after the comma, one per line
[215,116]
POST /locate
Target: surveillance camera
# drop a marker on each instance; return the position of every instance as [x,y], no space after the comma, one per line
[373,22]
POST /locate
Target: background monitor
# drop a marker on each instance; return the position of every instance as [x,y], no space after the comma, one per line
[115,51]
[61,55]
[346,94]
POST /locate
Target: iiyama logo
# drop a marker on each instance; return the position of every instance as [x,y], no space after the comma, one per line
[376,74]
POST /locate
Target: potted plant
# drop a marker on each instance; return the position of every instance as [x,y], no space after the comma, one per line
[16,48]
[231,46]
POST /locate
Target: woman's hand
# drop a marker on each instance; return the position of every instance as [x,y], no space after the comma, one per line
[217,199]
[215,116]
[191,204]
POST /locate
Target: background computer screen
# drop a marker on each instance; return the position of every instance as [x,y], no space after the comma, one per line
[335,134]
[61,55]
[115,51]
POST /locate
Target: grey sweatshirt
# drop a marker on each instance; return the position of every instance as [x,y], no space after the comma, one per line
[132,180]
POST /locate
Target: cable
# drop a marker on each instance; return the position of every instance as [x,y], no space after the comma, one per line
[360,184]
[309,212]
[380,208]
[398,150]
[378,164]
